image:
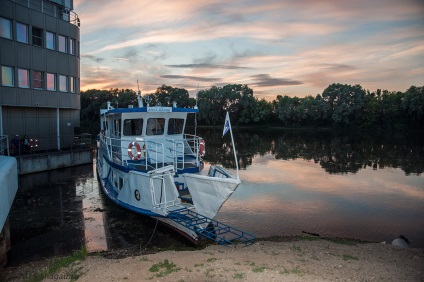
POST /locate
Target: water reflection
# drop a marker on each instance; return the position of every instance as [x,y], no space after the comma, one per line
[335,152]
[363,187]
[58,212]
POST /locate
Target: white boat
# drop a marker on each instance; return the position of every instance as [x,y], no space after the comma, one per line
[147,164]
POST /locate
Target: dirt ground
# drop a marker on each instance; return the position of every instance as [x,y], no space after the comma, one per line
[297,260]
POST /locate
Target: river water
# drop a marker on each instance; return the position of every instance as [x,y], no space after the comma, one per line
[338,185]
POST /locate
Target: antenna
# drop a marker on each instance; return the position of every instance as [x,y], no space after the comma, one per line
[139,99]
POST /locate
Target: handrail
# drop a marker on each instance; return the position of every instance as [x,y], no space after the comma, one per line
[157,154]
[51,8]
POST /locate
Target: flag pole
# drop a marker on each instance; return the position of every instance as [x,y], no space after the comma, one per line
[227,118]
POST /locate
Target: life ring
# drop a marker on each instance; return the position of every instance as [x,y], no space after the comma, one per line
[202,147]
[130,151]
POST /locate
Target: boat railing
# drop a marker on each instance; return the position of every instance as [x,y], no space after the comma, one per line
[155,151]
[177,151]
[193,142]
[162,174]
[155,154]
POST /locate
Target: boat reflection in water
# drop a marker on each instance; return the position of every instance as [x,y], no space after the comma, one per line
[61,211]
[364,187]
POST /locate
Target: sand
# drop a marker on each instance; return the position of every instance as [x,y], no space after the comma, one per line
[293,260]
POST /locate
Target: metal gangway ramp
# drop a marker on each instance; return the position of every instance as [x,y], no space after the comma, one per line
[216,231]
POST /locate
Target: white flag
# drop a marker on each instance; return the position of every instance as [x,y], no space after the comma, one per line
[227,125]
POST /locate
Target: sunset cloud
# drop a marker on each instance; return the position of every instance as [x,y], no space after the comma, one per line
[294,48]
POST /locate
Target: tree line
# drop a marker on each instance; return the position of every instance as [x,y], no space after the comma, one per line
[339,106]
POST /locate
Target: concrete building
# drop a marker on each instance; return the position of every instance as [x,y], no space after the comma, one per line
[40,71]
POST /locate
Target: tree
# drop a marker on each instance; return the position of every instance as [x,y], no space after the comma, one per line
[345,102]
[413,103]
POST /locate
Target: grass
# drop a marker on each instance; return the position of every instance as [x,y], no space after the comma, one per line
[239,276]
[164,268]
[292,271]
[259,269]
[349,257]
[72,274]
[296,249]
[209,273]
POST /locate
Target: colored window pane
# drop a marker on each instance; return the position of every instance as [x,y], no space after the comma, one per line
[37,79]
[62,43]
[5,28]
[23,78]
[22,32]
[72,84]
[51,82]
[63,83]
[7,76]
[71,46]
[49,40]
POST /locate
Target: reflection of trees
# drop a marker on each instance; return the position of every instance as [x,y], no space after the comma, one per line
[336,153]
[248,144]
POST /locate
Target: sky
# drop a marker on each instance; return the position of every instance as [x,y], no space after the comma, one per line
[276,47]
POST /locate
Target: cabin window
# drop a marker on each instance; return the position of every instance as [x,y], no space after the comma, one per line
[155,126]
[133,126]
[175,126]
[117,127]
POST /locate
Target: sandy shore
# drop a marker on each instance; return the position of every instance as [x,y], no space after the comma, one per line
[294,260]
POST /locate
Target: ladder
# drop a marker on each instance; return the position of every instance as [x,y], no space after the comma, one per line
[216,231]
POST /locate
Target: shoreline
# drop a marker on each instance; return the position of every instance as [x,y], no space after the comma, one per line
[300,258]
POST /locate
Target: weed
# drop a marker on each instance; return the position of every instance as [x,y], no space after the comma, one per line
[59,263]
[259,269]
[292,271]
[199,264]
[144,259]
[239,276]
[164,268]
[211,259]
[208,272]
[349,257]
[295,249]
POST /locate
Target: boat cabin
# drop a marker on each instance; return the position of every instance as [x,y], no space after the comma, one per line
[148,138]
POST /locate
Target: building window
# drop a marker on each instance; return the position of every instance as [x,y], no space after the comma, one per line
[37,79]
[63,83]
[51,82]
[72,84]
[23,78]
[5,28]
[37,37]
[7,77]
[62,44]
[71,46]
[49,40]
[22,32]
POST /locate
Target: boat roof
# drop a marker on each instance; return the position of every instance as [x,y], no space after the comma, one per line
[151,110]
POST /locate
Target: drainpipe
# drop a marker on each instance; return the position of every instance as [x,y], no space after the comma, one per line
[58,129]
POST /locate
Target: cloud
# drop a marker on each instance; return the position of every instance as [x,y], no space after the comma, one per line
[267,80]
[206,66]
[96,59]
[195,78]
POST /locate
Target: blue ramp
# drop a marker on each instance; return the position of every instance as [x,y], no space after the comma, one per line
[216,231]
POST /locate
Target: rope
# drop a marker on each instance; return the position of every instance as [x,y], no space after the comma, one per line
[151,237]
